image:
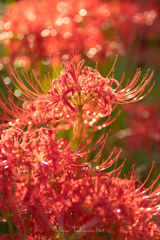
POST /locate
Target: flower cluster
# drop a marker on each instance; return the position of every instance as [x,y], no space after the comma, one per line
[97,29]
[75,93]
[51,190]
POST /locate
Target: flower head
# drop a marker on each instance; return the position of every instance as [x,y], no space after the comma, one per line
[47,191]
[76,90]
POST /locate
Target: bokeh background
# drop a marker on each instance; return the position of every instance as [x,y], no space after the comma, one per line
[35,33]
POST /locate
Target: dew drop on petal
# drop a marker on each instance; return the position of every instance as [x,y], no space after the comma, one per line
[78,18]
[53,32]
[146,196]
[46,61]
[158,207]
[67,34]
[45,32]
[121,134]
[109,54]
[2,151]
[105,25]
[10,123]
[20,36]
[82,12]
[90,55]
[104,9]
[141,98]
[7,166]
[32,16]
[98,47]
[7,25]
[61,5]
[44,162]
[17,92]
[59,22]
[157,136]
[31,38]
[113,45]
[1,66]
[7,80]
[66,20]
[145,114]
[136,18]
[48,24]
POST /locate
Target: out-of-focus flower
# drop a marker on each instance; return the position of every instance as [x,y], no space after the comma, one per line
[144,124]
[75,92]
[97,29]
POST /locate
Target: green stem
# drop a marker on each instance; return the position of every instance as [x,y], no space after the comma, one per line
[80,120]
[27,224]
[28,215]
[88,99]
[29,175]
[74,236]
[11,230]
[72,100]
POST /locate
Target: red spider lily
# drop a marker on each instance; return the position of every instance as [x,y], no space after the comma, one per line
[100,202]
[76,91]
[16,237]
[98,29]
[144,124]
[51,195]
[44,23]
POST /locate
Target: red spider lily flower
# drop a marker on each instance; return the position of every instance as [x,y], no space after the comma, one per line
[22,154]
[100,29]
[45,25]
[144,124]
[6,237]
[56,197]
[74,93]
[100,203]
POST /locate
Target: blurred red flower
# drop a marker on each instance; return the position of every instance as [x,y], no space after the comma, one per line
[38,28]
[144,123]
